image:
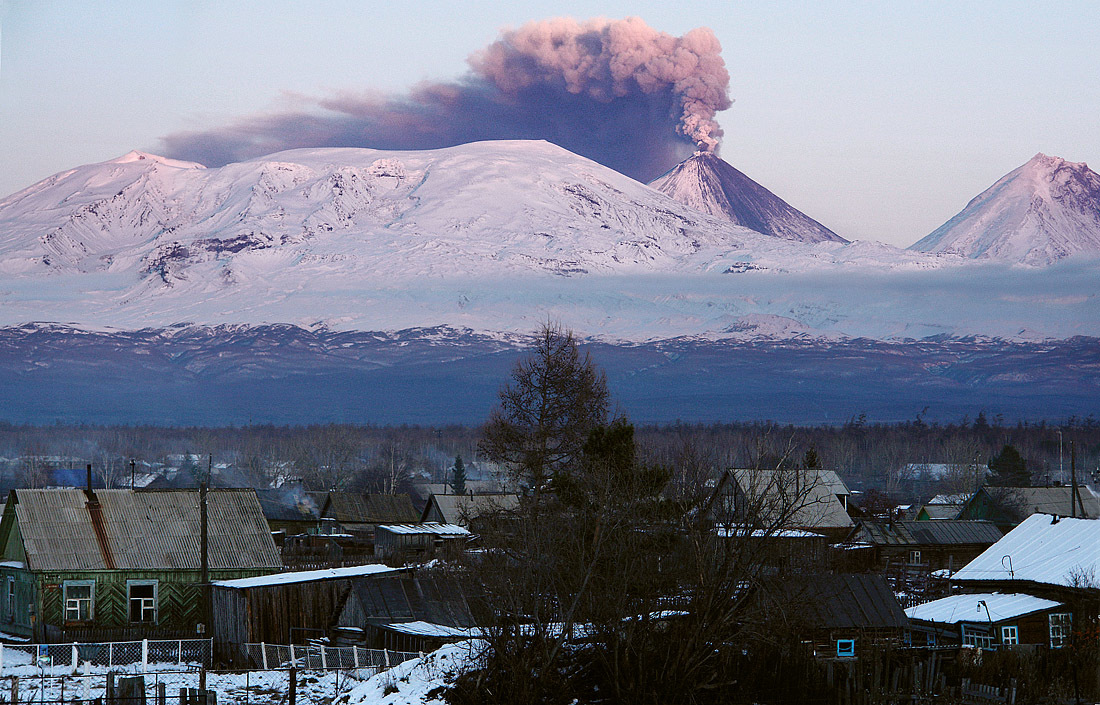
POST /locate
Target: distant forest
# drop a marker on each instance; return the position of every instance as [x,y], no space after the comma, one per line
[886,458]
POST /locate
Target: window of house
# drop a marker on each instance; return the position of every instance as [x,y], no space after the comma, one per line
[976,636]
[11,598]
[79,597]
[914,558]
[141,595]
[931,638]
[845,647]
[1010,635]
[1060,625]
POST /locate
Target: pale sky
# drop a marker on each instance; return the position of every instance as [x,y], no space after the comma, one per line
[879,119]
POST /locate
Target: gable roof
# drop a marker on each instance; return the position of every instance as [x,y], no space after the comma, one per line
[1020,502]
[1043,549]
[142,529]
[929,533]
[355,508]
[460,509]
[939,512]
[288,505]
[966,608]
[435,599]
[846,601]
[807,496]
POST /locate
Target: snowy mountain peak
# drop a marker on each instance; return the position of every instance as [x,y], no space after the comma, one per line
[709,184]
[1037,214]
[136,156]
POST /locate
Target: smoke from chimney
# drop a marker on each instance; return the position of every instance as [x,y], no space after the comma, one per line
[616,91]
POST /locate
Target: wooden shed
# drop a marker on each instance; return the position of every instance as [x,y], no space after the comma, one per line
[285,608]
[397,544]
[411,613]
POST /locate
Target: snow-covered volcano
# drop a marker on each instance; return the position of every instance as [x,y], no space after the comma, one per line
[488,208]
[1043,211]
[709,184]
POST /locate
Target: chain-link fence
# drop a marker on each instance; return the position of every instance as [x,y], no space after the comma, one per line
[324,658]
[272,687]
[138,656]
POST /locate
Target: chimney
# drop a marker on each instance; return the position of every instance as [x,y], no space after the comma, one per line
[88,488]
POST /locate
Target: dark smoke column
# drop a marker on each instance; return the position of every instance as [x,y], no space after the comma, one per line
[615,91]
[612,59]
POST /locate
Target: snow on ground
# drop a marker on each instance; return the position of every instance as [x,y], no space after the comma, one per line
[414,682]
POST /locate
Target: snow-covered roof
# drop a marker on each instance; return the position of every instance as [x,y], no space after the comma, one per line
[737,531]
[951,499]
[305,576]
[1042,549]
[425,528]
[966,608]
[429,629]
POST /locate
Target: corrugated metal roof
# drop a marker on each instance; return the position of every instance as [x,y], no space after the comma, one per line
[942,532]
[142,529]
[306,576]
[1042,550]
[354,508]
[847,601]
[799,498]
[966,608]
[429,527]
[436,600]
[288,505]
[941,511]
[461,508]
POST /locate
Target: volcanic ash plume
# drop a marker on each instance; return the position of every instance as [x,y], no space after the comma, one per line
[616,91]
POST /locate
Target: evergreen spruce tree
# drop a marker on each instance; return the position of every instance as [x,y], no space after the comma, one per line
[458,476]
[1009,469]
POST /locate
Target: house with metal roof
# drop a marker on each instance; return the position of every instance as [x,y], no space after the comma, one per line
[1046,556]
[842,614]
[359,513]
[1008,506]
[465,509]
[945,544]
[87,565]
[782,499]
[988,620]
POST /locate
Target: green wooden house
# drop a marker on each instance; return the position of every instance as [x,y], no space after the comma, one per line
[97,565]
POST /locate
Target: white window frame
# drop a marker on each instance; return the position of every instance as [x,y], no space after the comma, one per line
[1061,624]
[973,636]
[11,598]
[1010,635]
[914,557]
[72,605]
[148,604]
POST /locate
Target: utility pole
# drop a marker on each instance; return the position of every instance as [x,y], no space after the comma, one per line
[203,549]
[132,474]
[1061,472]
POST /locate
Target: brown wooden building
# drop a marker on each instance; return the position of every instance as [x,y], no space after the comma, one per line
[285,608]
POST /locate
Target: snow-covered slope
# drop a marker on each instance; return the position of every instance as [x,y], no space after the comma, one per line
[709,184]
[1043,211]
[489,207]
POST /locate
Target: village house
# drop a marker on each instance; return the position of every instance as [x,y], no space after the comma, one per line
[358,514]
[1008,506]
[1046,556]
[94,565]
[986,620]
[464,510]
[842,615]
[808,500]
[942,506]
[925,546]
